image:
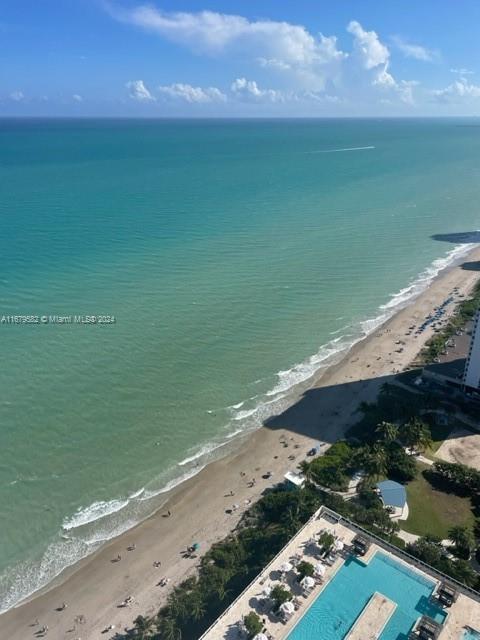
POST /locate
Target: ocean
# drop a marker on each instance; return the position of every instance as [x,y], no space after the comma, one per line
[230,260]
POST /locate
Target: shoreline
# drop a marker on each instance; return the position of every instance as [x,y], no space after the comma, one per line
[199,504]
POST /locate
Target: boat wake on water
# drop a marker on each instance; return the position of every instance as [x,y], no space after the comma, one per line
[367,148]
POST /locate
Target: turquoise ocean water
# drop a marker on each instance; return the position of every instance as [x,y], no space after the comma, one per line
[237,257]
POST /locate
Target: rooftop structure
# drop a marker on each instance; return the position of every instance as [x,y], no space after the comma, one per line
[297,479]
[446,594]
[394,497]
[388,591]
[471,378]
[360,545]
[426,629]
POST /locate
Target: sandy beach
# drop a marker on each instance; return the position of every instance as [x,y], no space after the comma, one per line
[202,509]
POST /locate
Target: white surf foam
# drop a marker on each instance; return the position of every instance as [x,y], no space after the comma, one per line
[152,493]
[27,578]
[200,453]
[97,511]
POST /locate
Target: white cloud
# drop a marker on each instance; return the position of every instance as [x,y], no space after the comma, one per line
[302,62]
[77,97]
[212,32]
[17,96]
[138,91]
[367,46]
[280,45]
[249,90]
[462,72]
[459,91]
[415,51]
[187,93]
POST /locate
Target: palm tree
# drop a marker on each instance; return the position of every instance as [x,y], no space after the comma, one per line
[169,629]
[375,461]
[197,607]
[463,540]
[387,432]
[143,627]
[416,433]
[306,469]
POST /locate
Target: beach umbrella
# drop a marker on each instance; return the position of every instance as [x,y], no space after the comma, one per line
[319,569]
[267,591]
[287,607]
[308,582]
[196,546]
[260,636]
[339,545]
[286,566]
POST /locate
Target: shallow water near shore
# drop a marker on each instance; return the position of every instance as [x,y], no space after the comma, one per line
[237,258]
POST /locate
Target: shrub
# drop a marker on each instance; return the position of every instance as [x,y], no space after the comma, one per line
[253,624]
[305,568]
[280,595]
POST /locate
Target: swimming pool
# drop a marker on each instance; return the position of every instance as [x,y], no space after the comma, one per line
[335,610]
[470,634]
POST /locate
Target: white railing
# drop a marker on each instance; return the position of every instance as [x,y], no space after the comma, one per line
[265,570]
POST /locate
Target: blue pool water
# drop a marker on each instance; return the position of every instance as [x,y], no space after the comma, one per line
[335,610]
[470,634]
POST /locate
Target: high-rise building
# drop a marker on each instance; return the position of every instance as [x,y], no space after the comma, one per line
[471,377]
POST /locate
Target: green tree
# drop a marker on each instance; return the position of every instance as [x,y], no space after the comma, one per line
[387,432]
[375,461]
[253,624]
[325,541]
[169,629]
[400,465]
[463,541]
[144,627]
[305,568]
[280,595]
[416,434]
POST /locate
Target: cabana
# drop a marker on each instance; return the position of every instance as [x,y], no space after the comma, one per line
[394,498]
[360,545]
[426,629]
[446,594]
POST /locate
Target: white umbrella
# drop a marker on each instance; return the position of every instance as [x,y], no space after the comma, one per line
[308,582]
[339,545]
[260,636]
[286,566]
[287,607]
[319,569]
[267,590]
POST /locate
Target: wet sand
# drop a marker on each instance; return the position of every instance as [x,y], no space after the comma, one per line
[202,510]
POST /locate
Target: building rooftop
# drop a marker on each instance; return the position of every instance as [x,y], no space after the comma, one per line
[393,494]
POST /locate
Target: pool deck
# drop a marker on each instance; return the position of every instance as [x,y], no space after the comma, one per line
[465,612]
[371,622]
[229,626]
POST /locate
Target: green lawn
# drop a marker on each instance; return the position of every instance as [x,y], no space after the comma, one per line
[433,511]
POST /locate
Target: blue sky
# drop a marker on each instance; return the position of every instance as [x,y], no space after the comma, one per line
[231,58]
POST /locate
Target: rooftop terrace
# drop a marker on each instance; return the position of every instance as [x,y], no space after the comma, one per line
[376,613]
